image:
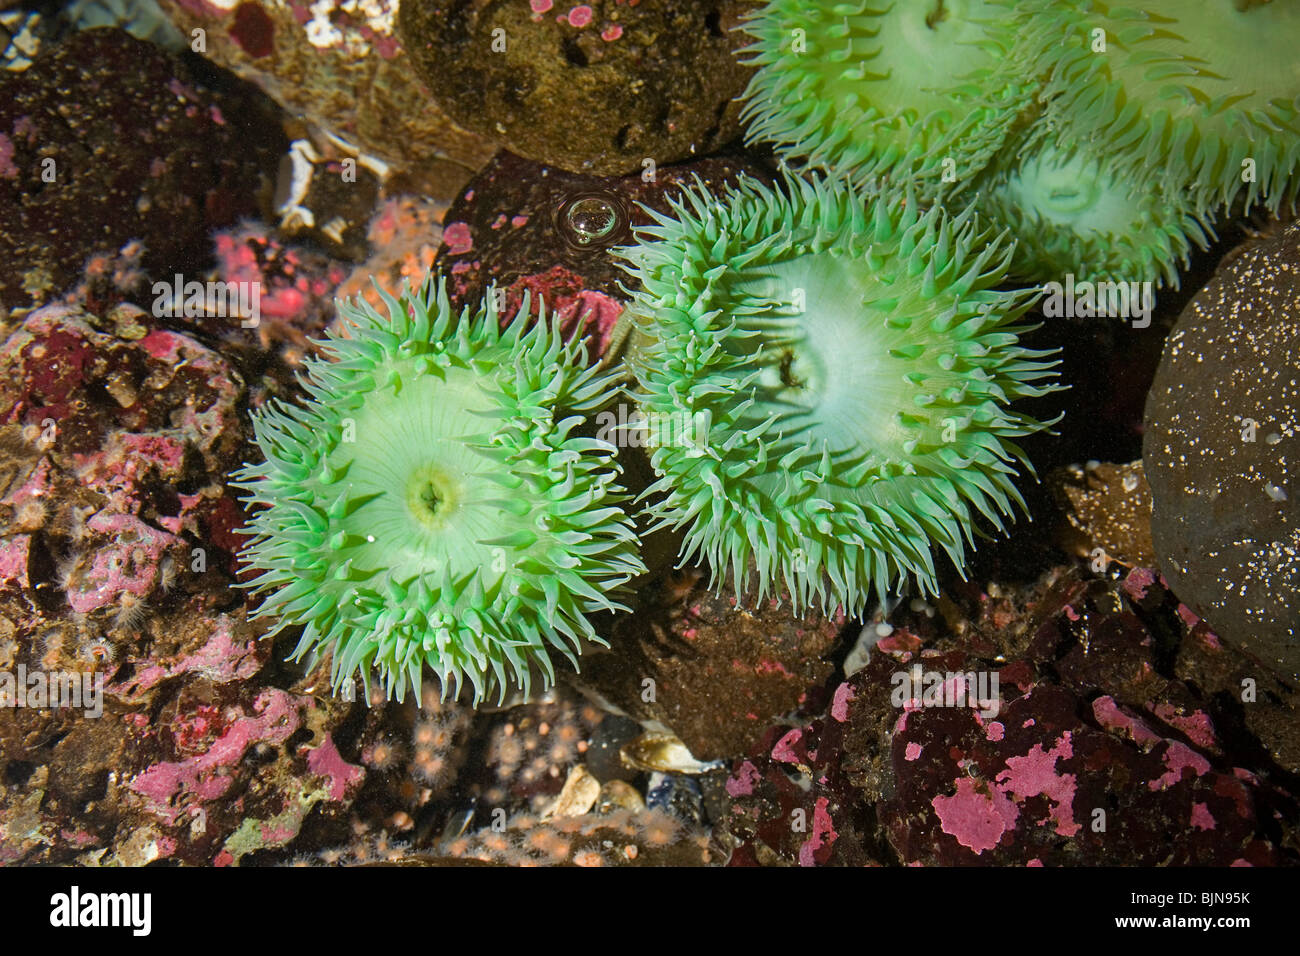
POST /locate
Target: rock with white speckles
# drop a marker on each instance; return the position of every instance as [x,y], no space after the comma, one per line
[1222,452]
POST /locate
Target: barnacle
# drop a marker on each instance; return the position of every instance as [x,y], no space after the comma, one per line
[825,385]
[1071,213]
[1207,93]
[434,502]
[921,90]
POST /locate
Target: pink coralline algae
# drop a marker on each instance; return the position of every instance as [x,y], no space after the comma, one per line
[594,312]
[170,789]
[741,783]
[1179,757]
[1139,581]
[119,433]
[119,419]
[129,565]
[220,659]
[326,761]
[579,16]
[1096,755]
[818,845]
[1202,819]
[296,285]
[14,554]
[977,818]
[1035,773]
[784,750]
[1111,716]
[840,702]
[1197,726]
[458,238]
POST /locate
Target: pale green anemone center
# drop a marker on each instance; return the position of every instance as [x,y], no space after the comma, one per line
[822,366]
[906,42]
[1074,192]
[427,504]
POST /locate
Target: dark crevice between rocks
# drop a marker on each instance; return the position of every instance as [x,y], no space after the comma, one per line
[575,54]
[17,772]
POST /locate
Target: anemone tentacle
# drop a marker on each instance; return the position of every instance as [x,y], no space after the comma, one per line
[1206,93]
[433,501]
[916,91]
[1071,213]
[826,383]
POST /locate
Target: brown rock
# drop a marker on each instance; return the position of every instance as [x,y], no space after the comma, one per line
[597,88]
[1222,452]
[1105,506]
[714,673]
[345,74]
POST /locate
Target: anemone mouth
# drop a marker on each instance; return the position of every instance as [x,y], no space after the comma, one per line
[821,370]
[1069,191]
[937,26]
[910,91]
[431,496]
[1189,91]
[854,363]
[1072,213]
[431,505]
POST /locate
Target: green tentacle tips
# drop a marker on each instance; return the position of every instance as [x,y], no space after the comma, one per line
[434,503]
[921,92]
[1071,213]
[854,363]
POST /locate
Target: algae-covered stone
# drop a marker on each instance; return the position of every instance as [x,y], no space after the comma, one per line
[338,66]
[598,87]
[107,139]
[1222,451]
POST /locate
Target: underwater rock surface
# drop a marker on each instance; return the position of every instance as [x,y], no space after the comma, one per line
[1222,451]
[529,227]
[346,74]
[117,540]
[713,671]
[596,88]
[1105,745]
[105,139]
[1106,511]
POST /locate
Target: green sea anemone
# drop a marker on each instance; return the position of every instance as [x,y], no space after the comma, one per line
[920,90]
[1208,93]
[1070,213]
[826,384]
[434,501]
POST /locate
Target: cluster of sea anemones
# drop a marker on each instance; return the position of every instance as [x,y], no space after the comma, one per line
[826,369]
[842,367]
[1109,137]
